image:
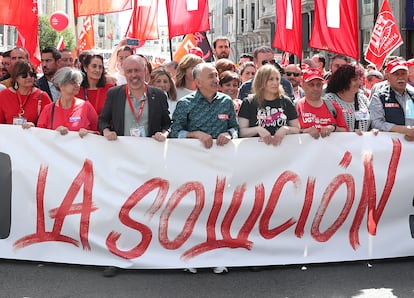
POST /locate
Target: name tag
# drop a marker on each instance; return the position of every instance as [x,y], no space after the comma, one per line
[74,119]
[391,105]
[223,116]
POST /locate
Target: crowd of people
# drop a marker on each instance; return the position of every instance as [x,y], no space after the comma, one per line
[213,102]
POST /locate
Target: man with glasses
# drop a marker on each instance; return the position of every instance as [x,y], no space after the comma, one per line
[293,74]
[16,54]
[261,56]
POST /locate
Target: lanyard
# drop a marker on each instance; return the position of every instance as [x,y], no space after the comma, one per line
[21,103]
[141,107]
[64,119]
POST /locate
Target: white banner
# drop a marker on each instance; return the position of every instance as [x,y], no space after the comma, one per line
[137,203]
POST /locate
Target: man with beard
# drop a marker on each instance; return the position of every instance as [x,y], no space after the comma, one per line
[293,74]
[221,47]
[49,59]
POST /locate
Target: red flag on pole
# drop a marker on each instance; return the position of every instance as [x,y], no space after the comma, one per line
[11,12]
[187,16]
[86,40]
[86,8]
[288,35]
[336,27]
[144,20]
[61,44]
[385,37]
[28,37]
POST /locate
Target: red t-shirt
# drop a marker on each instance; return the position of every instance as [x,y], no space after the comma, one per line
[31,104]
[82,115]
[96,97]
[310,116]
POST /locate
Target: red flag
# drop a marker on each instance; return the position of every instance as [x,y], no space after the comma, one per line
[285,59]
[86,40]
[190,41]
[336,27]
[385,37]
[89,7]
[288,35]
[187,16]
[28,37]
[144,20]
[11,12]
[61,44]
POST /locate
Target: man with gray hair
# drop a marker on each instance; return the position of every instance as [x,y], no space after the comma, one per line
[205,114]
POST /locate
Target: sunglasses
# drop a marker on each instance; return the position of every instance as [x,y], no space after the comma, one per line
[295,74]
[31,74]
[269,61]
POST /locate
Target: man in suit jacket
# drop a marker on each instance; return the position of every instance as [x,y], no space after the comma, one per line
[49,58]
[135,109]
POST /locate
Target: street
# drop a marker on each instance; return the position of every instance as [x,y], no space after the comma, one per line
[377,278]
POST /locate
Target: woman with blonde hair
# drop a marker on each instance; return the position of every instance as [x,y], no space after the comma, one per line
[268,112]
[161,78]
[184,80]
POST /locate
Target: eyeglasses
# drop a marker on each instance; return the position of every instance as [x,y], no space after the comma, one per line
[295,74]
[31,74]
[273,61]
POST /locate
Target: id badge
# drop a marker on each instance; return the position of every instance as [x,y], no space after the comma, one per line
[362,115]
[19,120]
[137,131]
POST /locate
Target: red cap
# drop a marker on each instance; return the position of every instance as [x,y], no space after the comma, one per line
[196,51]
[395,65]
[311,74]
[410,62]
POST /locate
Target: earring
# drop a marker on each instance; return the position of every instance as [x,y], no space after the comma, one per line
[16,86]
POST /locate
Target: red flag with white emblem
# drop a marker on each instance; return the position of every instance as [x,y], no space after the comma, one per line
[335,28]
[187,16]
[385,37]
[86,40]
[28,37]
[288,34]
[144,20]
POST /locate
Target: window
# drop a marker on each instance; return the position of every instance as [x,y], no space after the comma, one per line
[367,7]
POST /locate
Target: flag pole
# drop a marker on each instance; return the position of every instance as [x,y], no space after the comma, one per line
[171,52]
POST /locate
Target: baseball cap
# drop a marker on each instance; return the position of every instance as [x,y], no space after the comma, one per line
[375,73]
[311,74]
[410,62]
[395,65]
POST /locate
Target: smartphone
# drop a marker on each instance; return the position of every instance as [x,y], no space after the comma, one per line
[132,42]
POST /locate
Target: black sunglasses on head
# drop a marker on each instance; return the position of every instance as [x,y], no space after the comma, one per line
[295,74]
[25,75]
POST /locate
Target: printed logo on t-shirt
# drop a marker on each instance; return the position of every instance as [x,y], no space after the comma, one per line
[74,119]
[391,105]
[317,122]
[223,116]
[271,117]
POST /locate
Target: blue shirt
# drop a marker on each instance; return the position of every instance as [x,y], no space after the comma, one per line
[195,113]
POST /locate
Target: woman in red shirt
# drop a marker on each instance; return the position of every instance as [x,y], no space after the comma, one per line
[69,113]
[94,86]
[22,103]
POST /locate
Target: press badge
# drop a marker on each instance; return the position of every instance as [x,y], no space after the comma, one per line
[19,120]
[362,114]
[137,131]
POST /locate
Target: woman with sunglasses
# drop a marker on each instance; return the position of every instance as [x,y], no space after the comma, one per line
[69,113]
[94,86]
[22,103]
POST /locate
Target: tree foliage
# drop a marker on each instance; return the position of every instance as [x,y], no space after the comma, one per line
[48,37]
